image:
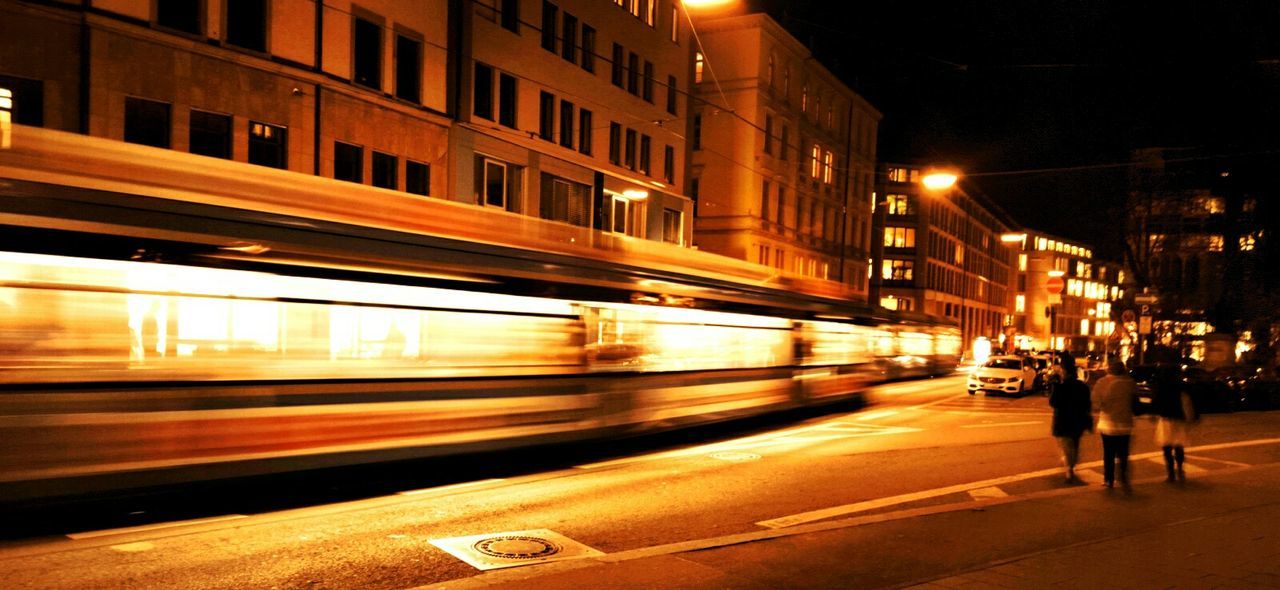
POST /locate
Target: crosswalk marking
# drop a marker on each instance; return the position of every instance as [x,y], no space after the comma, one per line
[1186,467]
[986,493]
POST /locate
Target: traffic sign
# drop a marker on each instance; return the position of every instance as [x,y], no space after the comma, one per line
[1146,310]
[1144,325]
[1147,299]
[1127,316]
[1054,285]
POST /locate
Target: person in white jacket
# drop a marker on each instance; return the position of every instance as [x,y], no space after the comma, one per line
[1113,397]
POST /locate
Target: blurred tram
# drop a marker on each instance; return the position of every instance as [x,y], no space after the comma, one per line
[168,318]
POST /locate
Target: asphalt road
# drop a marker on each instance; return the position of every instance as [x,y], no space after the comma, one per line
[914,445]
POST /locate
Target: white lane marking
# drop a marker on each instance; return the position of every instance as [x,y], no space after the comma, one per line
[1089,476]
[1186,467]
[985,493]
[152,527]
[447,488]
[877,415]
[1223,461]
[133,547]
[999,424]
[825,513]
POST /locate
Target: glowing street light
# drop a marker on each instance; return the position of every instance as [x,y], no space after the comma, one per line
[707,3]
[936,181]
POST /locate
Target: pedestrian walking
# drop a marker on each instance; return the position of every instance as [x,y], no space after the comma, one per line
[1072,416]
[1113,398]
[1175,413]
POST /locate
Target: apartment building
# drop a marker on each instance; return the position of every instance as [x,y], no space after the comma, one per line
[782,152]
[1065,298]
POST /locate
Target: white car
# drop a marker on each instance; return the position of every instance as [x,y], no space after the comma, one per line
[1003,374]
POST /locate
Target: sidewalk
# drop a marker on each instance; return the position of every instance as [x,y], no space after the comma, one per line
[1222,530]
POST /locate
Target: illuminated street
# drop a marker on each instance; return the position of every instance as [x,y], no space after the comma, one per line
[918,446]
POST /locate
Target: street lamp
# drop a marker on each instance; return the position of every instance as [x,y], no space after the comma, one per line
[939,180]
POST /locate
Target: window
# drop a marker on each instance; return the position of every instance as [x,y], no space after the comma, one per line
[826,166]
[385,171]
[564,200]
[633,74]
[146,122]
[815,166]
[566,124]
[673,226]
[650,11]
[417,177]
[210,135]
[630,149]
[782,147]
[648,81]
[179,15]
[348,162]
[494,183]
[782,203]
[511,15]
[546,116]
[786,83]
[482,92]
[804,98]
[247,24]
[675,22]
[897,270]
[697,132]
[899,175]
[899,205]
[507,101]
[588,48]
[25,100]
[899,237]
[549,11]
[768,134]
[408,69]
[584,131]
[671,95]
[645,145]
[627,216]
[616,73]
[569,41]
[368,54]
[267,145]
[699,62]
[769,70]
[669,164]
[765,195]
[615,144]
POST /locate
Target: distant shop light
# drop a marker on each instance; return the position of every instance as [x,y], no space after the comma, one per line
[635,194]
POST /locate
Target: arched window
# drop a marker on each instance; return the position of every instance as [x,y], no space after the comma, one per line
[814,162]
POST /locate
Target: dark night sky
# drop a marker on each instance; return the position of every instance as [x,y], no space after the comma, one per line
[1003,87]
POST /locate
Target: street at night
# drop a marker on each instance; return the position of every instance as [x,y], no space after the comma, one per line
[922,484]
[744,294]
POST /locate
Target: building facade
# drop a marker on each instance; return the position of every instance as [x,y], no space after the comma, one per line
[783,154]
[940,253]
[1079,312]
[355,92]
[575,111]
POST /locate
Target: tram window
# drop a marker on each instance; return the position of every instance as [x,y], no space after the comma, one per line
[210,134]
[267,145]
[385,171]
[146,122]
[417,177]
[348,162]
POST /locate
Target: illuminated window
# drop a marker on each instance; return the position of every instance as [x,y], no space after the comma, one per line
[1022,262]
[827,158]
[899,237]
[1020,304]
[896,270]
[1215,243]
[627,216]
[1248,242]
[699,62]
[675,22]
[815,161]
[899,205]
[804,98]
[1084,327]
[6,116]
[268,145]
[898,174]
[1042,244]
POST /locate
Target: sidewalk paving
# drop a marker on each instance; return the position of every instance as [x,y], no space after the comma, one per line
[1219,531]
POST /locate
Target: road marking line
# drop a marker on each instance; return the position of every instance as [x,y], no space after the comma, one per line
[1223,461]
[998,424]
[152,527]
[877,415]
[1090,476]
[1186,467]
[465,484]
[940,401]
[834,511]
[985,493]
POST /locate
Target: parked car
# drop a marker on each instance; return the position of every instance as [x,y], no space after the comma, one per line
[1252,387]
[1003,374]
[1207,394]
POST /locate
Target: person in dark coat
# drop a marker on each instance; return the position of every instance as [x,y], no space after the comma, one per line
[1173,406]
[1072,417]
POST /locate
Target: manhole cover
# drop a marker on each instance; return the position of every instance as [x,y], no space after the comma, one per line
[514,548]
[735,456]
[520,547]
